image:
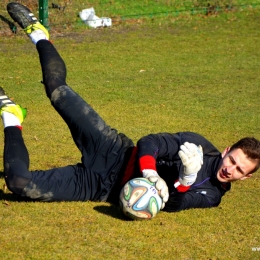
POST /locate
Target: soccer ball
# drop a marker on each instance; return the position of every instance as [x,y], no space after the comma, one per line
[139,199]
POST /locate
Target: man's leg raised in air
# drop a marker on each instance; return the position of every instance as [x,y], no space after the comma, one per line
[102,148]
[83,122]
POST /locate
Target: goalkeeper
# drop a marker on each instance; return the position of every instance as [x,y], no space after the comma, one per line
[188,170]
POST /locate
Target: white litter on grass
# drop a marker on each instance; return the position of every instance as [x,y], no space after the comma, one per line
[88,17]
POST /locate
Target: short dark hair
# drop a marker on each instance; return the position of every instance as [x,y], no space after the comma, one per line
[251,148]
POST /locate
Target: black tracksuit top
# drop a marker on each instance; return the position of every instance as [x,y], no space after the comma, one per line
[207,191]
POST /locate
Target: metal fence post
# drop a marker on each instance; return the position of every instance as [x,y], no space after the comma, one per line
[43,13]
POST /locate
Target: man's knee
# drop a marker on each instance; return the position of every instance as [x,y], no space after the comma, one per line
[17,176]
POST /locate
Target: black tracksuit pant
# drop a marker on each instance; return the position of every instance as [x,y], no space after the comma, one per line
[104,151]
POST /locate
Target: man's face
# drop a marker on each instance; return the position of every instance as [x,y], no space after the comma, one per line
[235,166]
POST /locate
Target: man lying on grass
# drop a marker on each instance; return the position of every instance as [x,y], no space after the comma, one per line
[187,169]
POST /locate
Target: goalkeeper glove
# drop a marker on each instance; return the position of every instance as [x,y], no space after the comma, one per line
[160,184]
[192,158]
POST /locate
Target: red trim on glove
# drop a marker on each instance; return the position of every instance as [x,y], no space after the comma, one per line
[182,188]
[147,162]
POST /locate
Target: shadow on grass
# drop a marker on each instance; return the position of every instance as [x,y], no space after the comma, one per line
[10,24]
[10,197]
[112,210]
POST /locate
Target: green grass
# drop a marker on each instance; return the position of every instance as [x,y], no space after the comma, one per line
[123,11]
[194,74]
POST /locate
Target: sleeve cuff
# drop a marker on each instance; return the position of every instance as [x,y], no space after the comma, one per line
[147,162]
[180,187]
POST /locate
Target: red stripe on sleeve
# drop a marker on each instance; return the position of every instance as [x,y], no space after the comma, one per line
[147,162]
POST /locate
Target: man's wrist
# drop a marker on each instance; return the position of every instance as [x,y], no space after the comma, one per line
[180,187]
[147,162]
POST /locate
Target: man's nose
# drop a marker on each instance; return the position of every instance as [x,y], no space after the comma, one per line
[230,169]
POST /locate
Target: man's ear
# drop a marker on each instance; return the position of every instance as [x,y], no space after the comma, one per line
[246,177]
[225,152]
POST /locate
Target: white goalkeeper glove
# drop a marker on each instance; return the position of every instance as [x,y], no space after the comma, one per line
[160,184]
[192,158]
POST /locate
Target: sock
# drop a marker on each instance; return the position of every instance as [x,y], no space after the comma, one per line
[10,120]
[37,35]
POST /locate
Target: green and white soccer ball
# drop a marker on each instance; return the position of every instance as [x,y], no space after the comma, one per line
[139,199]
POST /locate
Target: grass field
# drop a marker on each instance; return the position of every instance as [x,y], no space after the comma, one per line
[192,74]
[66,16]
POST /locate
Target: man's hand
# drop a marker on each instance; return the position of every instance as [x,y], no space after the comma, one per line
[192,158]
[160,184]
